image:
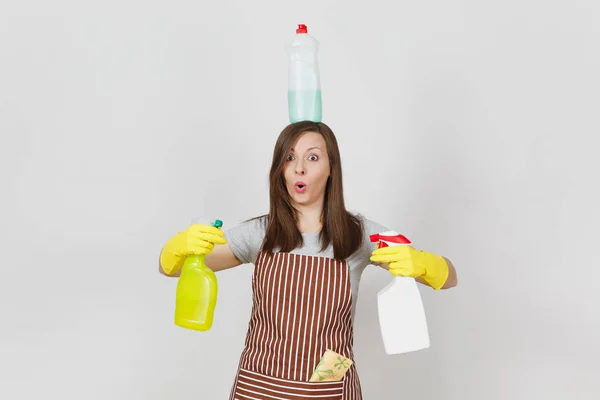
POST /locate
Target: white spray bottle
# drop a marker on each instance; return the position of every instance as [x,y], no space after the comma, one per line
[401,314]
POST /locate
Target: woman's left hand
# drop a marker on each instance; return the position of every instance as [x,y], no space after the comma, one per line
[408,261]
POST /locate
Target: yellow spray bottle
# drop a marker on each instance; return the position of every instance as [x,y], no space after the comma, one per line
[196,293]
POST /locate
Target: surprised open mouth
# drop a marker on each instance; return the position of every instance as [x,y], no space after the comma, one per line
[300,187]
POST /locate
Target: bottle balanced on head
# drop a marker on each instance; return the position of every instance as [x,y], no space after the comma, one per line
[304,86]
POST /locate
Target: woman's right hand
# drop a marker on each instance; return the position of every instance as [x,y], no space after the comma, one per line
[196,239]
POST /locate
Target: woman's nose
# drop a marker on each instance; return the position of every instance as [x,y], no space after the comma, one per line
[300,168]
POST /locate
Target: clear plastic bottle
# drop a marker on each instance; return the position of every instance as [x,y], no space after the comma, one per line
[304,82]
[197,289]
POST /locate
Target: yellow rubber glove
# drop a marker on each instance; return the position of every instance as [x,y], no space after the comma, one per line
[196,239]
[407,261]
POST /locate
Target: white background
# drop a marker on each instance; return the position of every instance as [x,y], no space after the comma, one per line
[469,126]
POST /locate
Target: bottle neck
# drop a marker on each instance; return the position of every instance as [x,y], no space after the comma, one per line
[194,261]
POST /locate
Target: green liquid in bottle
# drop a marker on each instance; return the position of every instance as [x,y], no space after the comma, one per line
[304,105]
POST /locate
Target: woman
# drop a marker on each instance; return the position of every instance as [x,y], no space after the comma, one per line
[309,253]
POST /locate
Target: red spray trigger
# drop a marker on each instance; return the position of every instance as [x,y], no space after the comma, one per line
[392,238]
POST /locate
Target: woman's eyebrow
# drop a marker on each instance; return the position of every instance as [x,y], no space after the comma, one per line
[311,148]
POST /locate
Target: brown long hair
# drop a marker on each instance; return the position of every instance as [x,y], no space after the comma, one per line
[340,228]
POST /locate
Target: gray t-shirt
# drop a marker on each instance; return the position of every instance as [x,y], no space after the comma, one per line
[246,238]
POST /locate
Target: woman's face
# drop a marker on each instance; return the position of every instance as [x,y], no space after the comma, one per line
[307,169]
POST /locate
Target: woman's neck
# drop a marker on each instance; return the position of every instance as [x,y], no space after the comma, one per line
[309,220]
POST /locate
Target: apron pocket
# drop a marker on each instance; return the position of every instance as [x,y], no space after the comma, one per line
[255,386]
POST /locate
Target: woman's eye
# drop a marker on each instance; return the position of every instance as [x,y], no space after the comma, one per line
[290,157]
[313,158]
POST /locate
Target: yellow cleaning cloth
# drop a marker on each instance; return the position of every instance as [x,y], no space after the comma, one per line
[331,368]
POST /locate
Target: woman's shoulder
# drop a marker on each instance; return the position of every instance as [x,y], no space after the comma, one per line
[245,238]
[258,220]
[252,225]
[369,225]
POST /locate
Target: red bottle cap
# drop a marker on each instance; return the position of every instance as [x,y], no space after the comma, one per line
[301,29]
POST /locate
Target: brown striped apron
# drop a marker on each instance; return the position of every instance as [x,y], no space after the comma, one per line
[301,307]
